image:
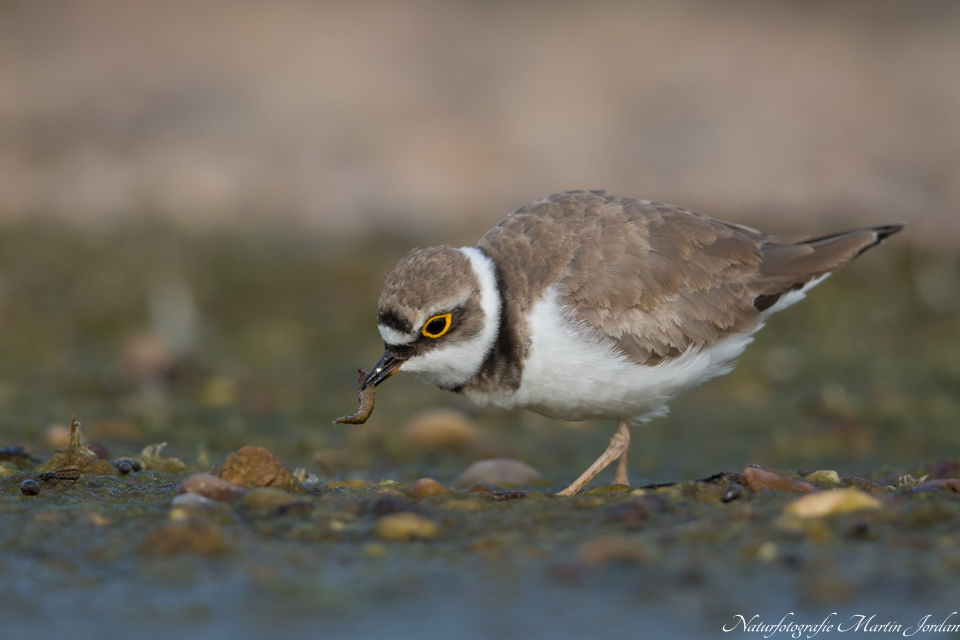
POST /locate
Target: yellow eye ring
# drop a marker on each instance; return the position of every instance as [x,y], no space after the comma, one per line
[446,318]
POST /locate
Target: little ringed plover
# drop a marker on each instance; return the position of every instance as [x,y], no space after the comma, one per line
[587,305]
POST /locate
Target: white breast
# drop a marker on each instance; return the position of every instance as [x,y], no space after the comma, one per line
[572,374]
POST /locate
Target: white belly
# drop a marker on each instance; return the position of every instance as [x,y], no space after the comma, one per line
[571,374]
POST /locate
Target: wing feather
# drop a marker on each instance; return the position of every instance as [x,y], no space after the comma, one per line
[654,279]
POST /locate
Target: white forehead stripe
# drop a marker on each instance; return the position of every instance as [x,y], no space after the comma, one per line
[392,336]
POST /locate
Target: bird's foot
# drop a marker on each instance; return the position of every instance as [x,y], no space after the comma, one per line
[619,444]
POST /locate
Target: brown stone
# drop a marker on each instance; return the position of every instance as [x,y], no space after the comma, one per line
[756,479]
[943,484]
[406,526]
[256,467]
[832,502]
[441,429]
[426,487]
[269,497]
[211,487]
[502,472]
[200,537]
[942,470]
[864,485]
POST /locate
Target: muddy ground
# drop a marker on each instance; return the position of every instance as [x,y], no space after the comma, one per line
[211,342]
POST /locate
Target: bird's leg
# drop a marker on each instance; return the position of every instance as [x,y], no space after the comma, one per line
[617,448]
[621,477]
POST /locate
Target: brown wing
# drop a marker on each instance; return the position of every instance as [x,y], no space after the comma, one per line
[655,278]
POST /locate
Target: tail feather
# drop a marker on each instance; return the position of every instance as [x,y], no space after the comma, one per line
[788,267]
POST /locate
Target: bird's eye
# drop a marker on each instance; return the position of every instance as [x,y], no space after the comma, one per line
[437,326]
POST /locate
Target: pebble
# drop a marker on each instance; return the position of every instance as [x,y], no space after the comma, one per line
[192,500]
[757,478]
[831,502]
[386,505]
[124,467]
[256,467]
[426,487]
[441,429]
[211,487]
[132,464]
[635,513]
[507,495]
[614,549]
[17,455]
[30,487]
[99,449]
[199,537]
[944,484]
[768,551]
[731,493]
[864,485]
[500,472]
[406,526]
[268,497]
[349,483]
[826,476]
[943,469]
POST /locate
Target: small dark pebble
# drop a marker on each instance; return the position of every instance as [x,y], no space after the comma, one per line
[125,467]
[133,462]
[722,477]
[30,487]
[732,493]
[507,495]
[298,508]
[634,514]
[386,505]
[941,470]
[99,449]
[15,454]
[860,531]
[792,560]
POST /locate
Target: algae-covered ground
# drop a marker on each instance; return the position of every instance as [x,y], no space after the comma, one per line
[212,341]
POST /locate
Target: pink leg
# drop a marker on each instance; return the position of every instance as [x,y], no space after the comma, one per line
[617,448]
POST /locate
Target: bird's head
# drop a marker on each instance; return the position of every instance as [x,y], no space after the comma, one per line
[438,315]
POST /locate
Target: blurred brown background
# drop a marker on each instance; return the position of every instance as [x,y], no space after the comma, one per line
[346,117]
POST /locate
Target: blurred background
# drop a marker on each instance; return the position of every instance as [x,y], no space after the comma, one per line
[199,202]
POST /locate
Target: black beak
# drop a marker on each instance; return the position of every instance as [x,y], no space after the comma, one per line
[389,364]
